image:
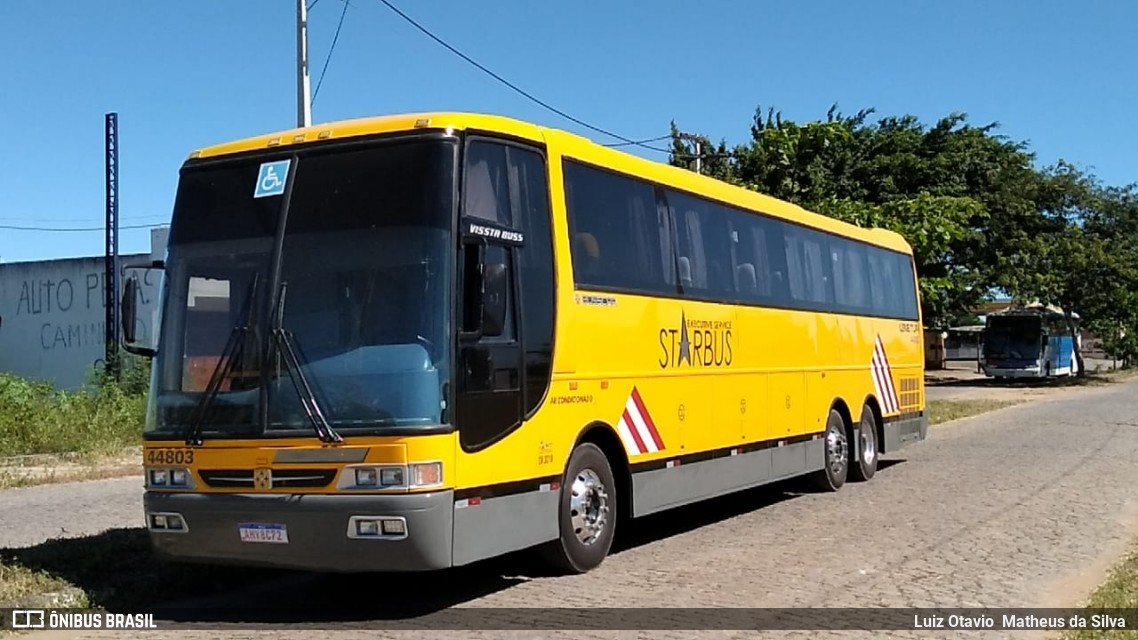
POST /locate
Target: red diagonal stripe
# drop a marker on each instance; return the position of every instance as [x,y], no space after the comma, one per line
[892,390]
[647,419]
[640,448]
[882,378]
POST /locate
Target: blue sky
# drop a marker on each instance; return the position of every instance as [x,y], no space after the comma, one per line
[184,74]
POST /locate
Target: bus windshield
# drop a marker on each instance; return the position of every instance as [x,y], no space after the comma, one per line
[359,282]
[1013,338]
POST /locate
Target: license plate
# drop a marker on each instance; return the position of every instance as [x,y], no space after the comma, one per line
[259,532]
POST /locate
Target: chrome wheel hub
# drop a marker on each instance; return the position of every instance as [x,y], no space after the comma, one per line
[868,443]
[837,449]
[588,506]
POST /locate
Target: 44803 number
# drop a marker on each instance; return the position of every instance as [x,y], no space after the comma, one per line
[169,456]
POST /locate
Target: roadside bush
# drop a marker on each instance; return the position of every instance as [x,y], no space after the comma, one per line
[104,417]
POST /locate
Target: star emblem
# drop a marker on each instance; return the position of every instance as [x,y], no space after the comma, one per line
[685,344]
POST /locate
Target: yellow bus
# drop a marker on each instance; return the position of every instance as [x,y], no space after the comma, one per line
[416,341]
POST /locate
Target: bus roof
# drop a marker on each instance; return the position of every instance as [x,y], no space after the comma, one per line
[567,144]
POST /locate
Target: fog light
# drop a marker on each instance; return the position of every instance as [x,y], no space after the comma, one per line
[178,477]
[367,528]
[158,521]
[158,477]
[391,476]
[392,527]
[365,477]
[174,522]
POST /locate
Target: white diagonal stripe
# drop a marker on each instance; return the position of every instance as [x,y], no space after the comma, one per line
[626,437]
[889,387]
[875,371]
[889,395]
[640,426]
[881,379]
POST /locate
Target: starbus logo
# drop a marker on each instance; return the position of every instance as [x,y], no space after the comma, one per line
[696,343]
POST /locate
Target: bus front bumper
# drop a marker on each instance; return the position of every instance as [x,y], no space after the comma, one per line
[1025,372]
[321,535]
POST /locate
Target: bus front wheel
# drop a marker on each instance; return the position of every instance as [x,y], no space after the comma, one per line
[587,513]
[833,475]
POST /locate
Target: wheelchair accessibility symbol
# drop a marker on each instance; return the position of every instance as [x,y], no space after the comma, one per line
[271,179]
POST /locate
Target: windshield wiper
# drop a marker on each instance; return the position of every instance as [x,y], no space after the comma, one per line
[283,342]
[234,347]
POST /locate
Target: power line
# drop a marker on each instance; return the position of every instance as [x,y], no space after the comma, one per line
[7,219]
[9,227]
[513,86]
[638,142]
[328,59]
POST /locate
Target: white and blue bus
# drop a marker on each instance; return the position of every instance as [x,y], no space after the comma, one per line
[1028,342]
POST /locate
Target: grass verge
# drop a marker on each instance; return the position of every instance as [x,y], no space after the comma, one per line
[946,410]
[1120,591]
[116,570]
[101,419]
[1097,378]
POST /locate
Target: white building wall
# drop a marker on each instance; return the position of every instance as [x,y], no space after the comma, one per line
[52,316]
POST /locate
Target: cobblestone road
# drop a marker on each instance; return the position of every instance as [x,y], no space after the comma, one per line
[1024,507]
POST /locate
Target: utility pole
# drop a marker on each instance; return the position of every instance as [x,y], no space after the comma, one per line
[698,140]
[111,257]
[303,101]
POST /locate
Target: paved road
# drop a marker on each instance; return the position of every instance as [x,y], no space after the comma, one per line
[1025,507]
[30,516]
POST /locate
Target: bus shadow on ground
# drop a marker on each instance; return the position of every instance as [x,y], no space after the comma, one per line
[118,571]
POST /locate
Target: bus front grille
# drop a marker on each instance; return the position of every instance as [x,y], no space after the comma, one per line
[281,478]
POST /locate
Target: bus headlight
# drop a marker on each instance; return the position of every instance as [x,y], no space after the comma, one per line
[416,475]
[377,527]
[365,477]
[177,478]
[166,522]
[391,476]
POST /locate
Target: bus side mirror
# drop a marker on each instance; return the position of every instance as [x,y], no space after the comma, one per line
[129,309]
[495,288]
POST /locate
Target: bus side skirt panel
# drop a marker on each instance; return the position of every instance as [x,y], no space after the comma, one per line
[903,430]
[661,489]
[500,525]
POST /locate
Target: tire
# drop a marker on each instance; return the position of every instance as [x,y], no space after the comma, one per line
[587,514]
[836,441]
[867,447]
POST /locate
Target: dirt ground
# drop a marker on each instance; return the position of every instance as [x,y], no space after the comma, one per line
[49,469]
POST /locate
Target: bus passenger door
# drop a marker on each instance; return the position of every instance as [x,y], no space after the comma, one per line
[489,353]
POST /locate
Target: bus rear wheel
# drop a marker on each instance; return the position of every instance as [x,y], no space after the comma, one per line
[833,475]
[867,447]
[587,513]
